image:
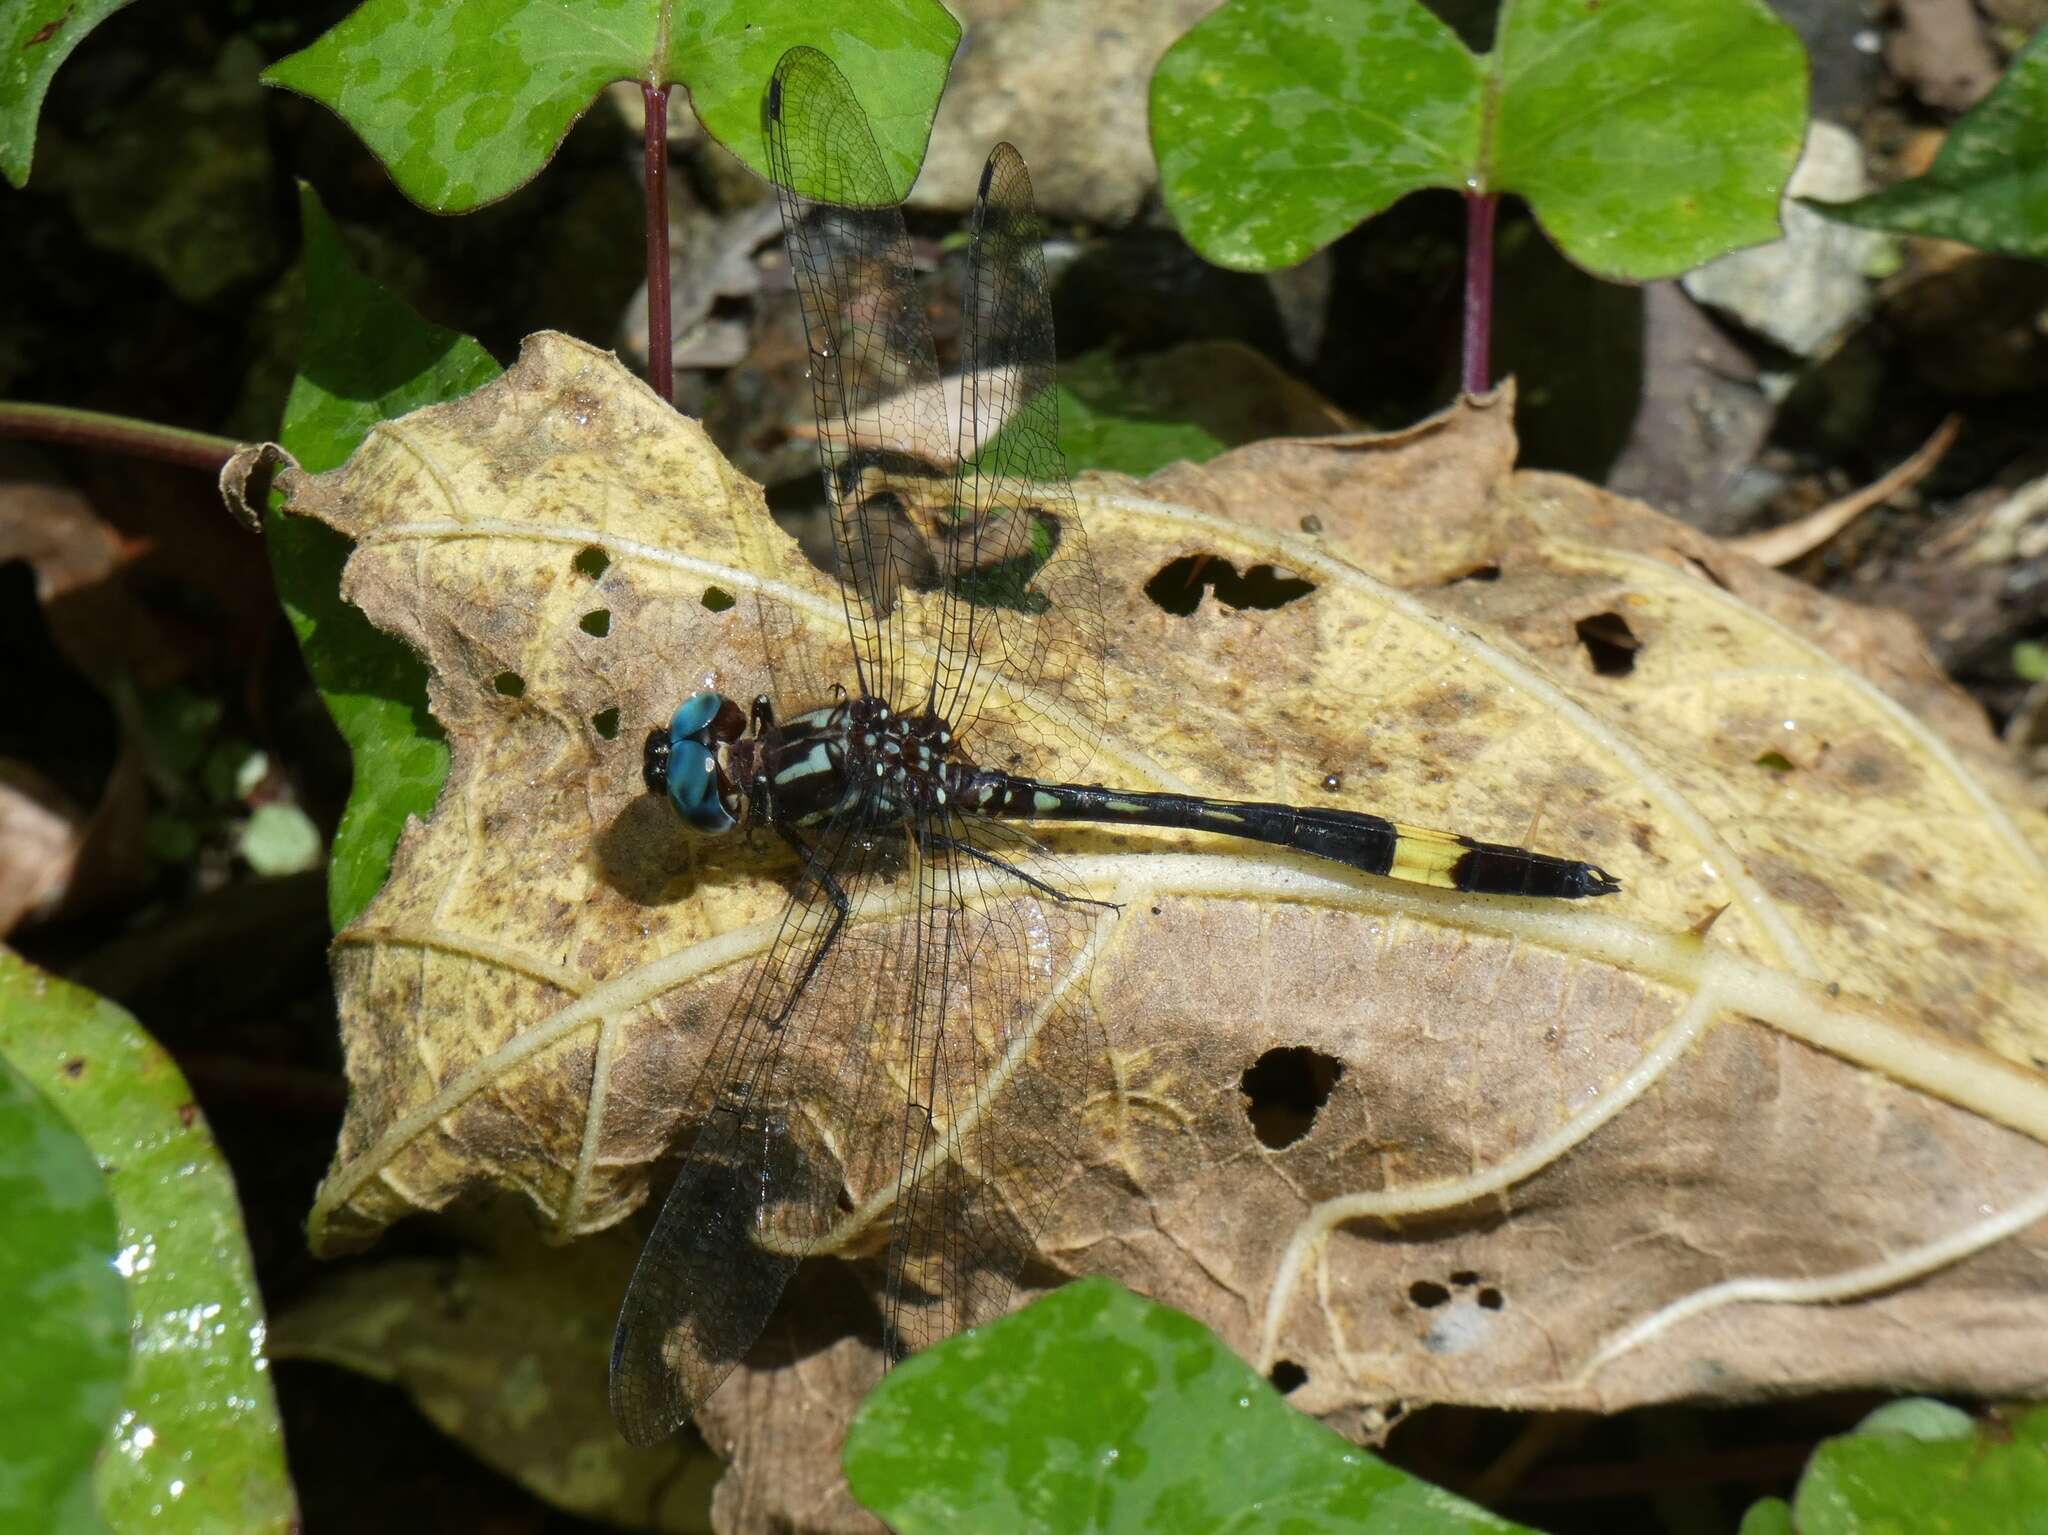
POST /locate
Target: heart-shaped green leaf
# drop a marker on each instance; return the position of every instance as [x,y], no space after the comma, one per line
[1095,1410]
[1647,138]
[465,102]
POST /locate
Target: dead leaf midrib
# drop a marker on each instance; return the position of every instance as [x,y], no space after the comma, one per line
[1527,676]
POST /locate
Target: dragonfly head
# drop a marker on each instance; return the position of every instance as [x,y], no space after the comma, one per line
[684,761]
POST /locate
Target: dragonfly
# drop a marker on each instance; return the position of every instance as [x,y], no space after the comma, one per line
[902,1070]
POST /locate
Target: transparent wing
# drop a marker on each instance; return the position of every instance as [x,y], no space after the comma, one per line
[914,1089]
[759,1184]
[1024,606]
[882,418]
[1002,1052]
[1019,630]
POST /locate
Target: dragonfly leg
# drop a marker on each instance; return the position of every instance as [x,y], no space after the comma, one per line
[841,909]
[982,855]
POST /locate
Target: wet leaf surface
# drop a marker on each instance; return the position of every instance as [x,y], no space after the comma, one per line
[1574,1157]
[194,1444]
[64,1349]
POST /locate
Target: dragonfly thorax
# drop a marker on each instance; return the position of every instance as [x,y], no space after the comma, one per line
[895,767]
[856,758]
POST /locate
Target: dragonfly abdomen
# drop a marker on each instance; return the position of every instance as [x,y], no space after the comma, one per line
[1369,843]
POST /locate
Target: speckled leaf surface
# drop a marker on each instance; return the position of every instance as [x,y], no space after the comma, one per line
[1646,135]
[36,36]
[465,102]
[1093,1410]
[1576,1156]
[1989,184]
[194,1443]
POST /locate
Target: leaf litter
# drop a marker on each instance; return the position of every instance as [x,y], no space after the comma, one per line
[1799,1060]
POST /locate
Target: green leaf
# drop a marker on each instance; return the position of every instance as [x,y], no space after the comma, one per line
[1094,1410]
[1876,1481]
[465,102]
[1110,420]
[367,358]
[1988,187]
[35,37]
[1646,138]
[65,1345]
[1279,124]
[1139,414]
[195,1444]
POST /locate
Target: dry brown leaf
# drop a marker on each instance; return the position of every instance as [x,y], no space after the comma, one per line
[495,1347]
[1567,1141]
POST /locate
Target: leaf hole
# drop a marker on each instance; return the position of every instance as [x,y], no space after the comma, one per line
[591,561]
[1179,585]
[1491,1298]
[597,622]
[1465,1278]
[606,723]
[1287,1377]
[717,598]
[511,684]
[1611,645]
[1486,572]
[1284,1091]
[1428,1294]
[1776,762]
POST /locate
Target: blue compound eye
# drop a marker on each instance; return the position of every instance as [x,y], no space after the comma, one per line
[682,761]
[697,714]
[693,787]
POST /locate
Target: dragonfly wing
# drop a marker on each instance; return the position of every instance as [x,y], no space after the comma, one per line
[883,425]
[704,1288]
[1023,604]
[761,1180]
[1002,1051]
